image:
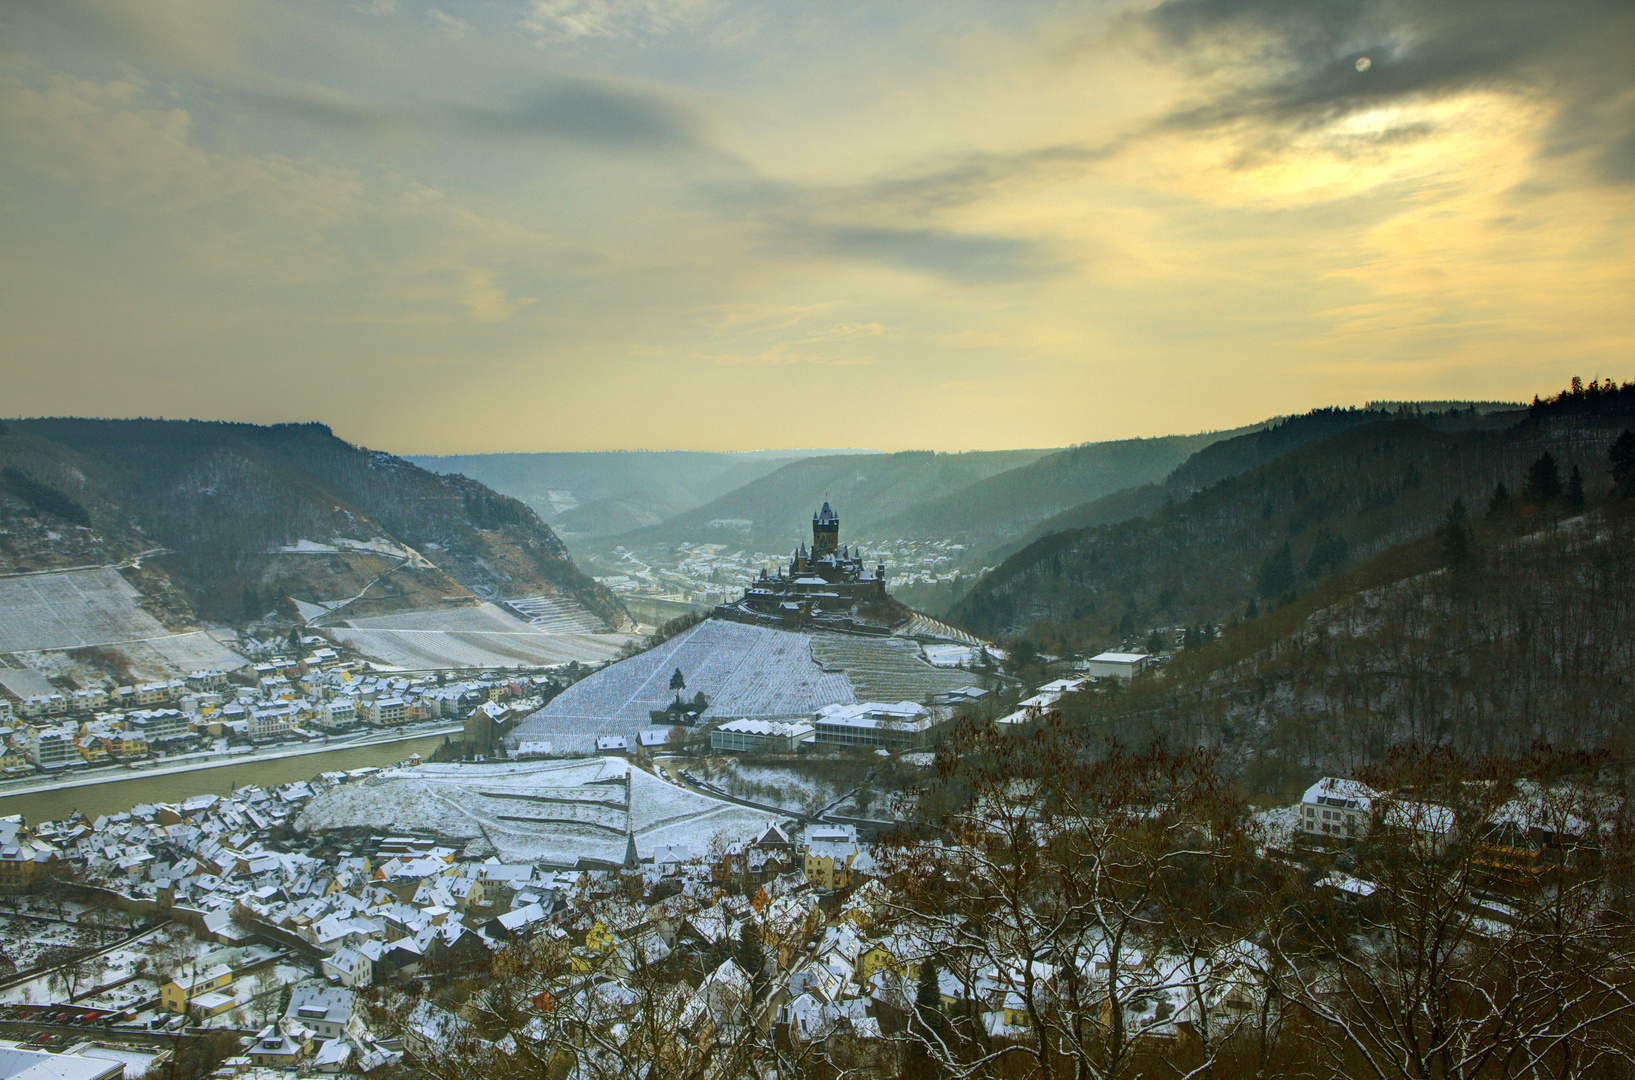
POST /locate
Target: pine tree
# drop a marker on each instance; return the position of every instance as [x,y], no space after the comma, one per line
[1498,504]
[1277,573]
[1155,643]
[677,682]
[1575,489]
[750,954]
[1622,457]
[928,1025]
[1454,532]
[1543,481]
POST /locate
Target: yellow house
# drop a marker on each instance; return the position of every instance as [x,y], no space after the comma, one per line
[175,996]
[877,956]
[598,938]
[829,854]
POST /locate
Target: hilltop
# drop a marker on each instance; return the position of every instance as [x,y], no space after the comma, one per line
[227,523]
[1332,491]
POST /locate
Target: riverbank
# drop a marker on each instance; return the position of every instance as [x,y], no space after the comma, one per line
[194,763]
[112,792]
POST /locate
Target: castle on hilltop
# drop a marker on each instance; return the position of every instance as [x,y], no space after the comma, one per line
[829,584]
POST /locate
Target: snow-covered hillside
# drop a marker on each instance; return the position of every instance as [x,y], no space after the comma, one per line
[556,811]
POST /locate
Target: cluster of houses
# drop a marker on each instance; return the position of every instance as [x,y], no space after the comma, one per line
[1518,840]
[311,695]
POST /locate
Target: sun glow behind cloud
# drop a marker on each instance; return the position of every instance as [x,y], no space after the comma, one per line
[591,223]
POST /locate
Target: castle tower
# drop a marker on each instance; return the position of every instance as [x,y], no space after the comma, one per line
[825,532]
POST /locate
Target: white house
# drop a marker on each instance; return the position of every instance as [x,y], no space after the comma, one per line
[1334,810]
[325,1009]
[1116,665]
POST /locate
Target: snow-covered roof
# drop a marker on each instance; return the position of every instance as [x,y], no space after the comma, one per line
[1340,791]
[766,727]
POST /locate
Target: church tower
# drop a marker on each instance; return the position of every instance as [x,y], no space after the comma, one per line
[825,532]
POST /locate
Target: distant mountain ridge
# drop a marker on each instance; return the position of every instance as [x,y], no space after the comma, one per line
[251,513]
[869,490]
[600,493]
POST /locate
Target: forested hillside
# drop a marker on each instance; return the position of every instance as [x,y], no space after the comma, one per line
[1528,637]
[991,512]
[1260,537]
[223,499]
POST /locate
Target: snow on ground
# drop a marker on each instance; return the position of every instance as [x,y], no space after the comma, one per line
[1276,825]
[741,670]
[556,614]
[950,655]
[794,791]
[46,613]
[70,610]
[482,636]
[884,669]
[378,545]
[556,811]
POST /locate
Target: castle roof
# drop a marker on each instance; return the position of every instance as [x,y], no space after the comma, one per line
[826,516]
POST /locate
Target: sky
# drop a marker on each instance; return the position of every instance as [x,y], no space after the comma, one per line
[515,225]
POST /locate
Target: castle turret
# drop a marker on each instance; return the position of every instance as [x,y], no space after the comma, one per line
[825,532]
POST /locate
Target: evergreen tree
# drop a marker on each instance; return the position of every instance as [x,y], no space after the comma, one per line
[750,954]
[1155,643]
[1575,489]
[1277,573]
[677,682]
[928,1025]
[1498,504]
[1252,611]
[1543,481]
[1622,457]
[1454,533]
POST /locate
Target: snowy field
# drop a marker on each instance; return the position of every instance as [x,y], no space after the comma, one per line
[741,670]
[483,636]
[948,656]
[557,615]
[51,613]
[556,811]
[794,791]
[1276,827]
[885,669]
[71,610]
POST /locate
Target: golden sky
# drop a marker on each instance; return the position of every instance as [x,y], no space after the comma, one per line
[604,224]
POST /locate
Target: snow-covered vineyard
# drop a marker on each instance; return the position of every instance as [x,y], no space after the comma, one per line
[743,671]
[560,812]
[482,636]
[47,613]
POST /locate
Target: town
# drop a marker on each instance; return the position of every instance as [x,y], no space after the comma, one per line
[266,932]
[304,690]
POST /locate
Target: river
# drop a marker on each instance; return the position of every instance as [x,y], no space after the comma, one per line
[121,791]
